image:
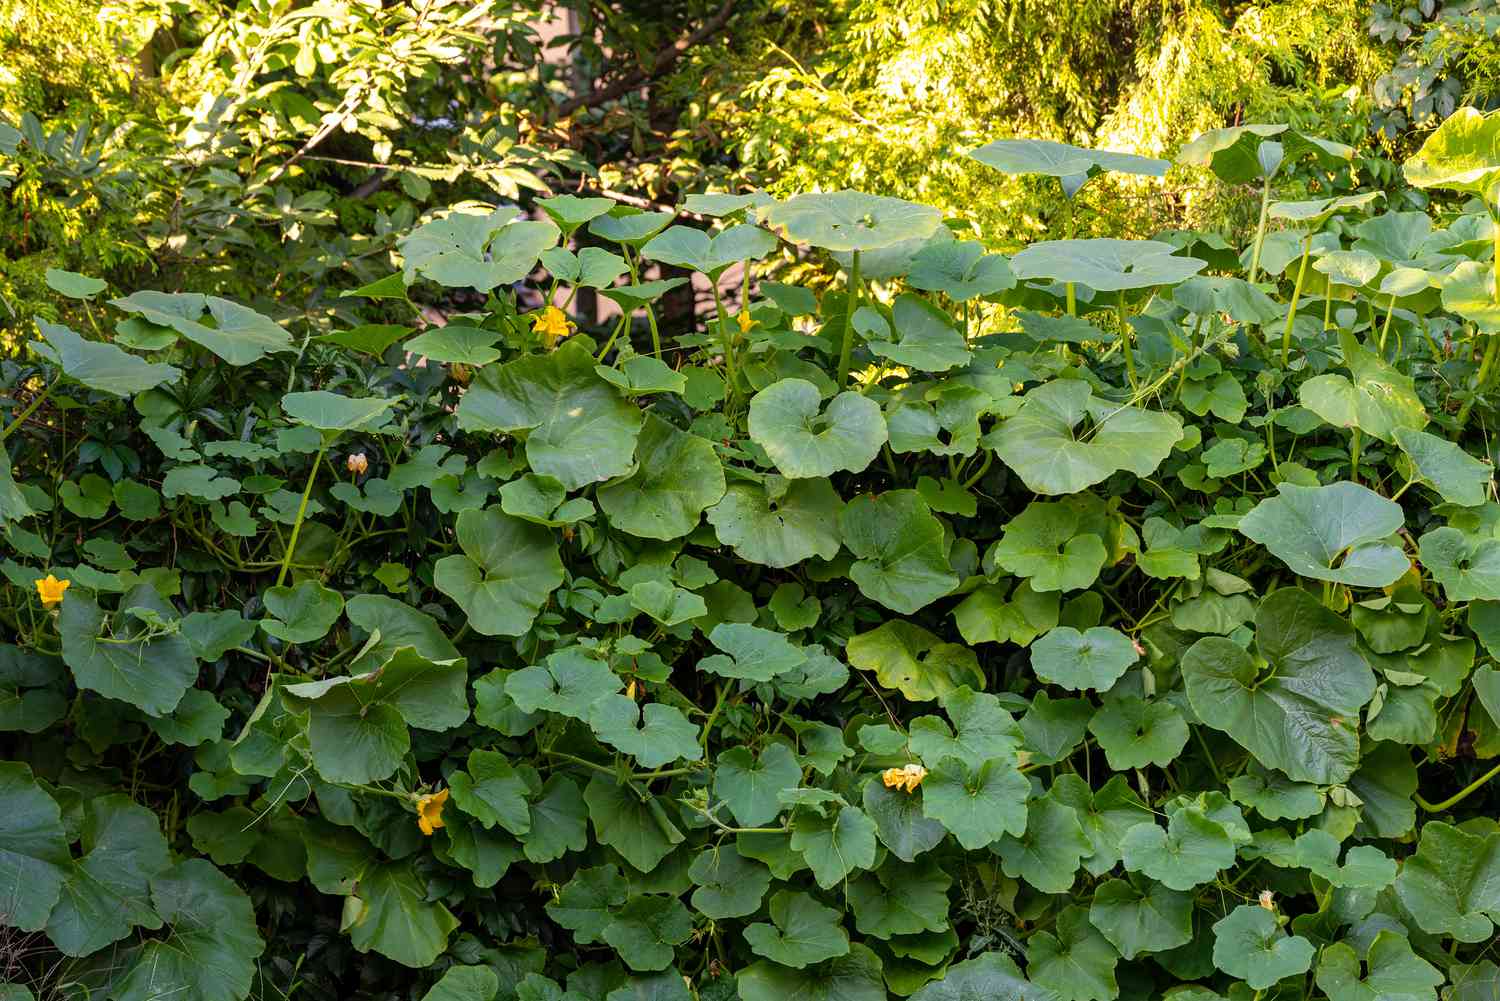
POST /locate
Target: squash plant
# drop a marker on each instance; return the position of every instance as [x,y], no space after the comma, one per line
[1085,624]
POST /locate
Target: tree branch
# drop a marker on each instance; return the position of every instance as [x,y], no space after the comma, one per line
[661,63]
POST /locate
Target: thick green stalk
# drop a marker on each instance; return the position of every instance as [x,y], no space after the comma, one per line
[1260,229]
[1328,303]
[291,546]
[1459,796]
[847,350]
[1390,311]
[1354,446]
[36,401]
[1291,316]
[726,338]
[1493,340]
[1125,345]
[1072,300]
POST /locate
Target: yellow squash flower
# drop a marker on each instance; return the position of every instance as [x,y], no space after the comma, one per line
[357,463]
[430,811]
[552,324]
[906,779]
[51,590]
[745,321]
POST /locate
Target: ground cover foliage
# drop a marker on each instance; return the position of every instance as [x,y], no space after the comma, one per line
[1113,619]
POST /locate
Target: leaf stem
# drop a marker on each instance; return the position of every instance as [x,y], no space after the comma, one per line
[1291,315]
[1260,229]
[36,401]
[846,351]
[726,338]
[291,545]
[1459,796]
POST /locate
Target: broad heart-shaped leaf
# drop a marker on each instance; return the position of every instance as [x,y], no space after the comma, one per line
[570,211]
[1105,264]
[1376,398]
[1141,917]
[332,412]
[1046,855]
[901,550]
[984,729]
[1452,884]
[507,570]
[34,857]
[357,724]
[900,898]
[239,335]
[751,786]
[646,931]
[1295,707]
[1463,154]
[908,658]
[475,249]
[1092,659]
[677,476]
[1335,532]
[1394,972]
[853,977]
[925,337]
[399,922]
[640,830]
[653,734]
[397,624]
[301,614]
[578,428]
[979,803]
[751,652]
[851,220]
[568,682]
[803,932]
[1106,815]
[899,821]
[1191,851]
[687,247]
[212,946]
[465,983]
[1042,445]
[779,529]
[100,366]
[729,884]
[1054,159]
[1469,291]
[584,903]
[961,270]
[987,977]
[834,846]
[1457,476]
[1134,732]
[492,792]
[1250,945]
[1056,546]
[1238,154]
[117,655]
[805,441]
[1077,962]
[106,892]
[1467,566]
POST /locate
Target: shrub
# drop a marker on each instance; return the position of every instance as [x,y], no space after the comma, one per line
[1089,623]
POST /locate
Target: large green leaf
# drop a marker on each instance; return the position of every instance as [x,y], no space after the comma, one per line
[914,661]
[106,892]
[1105,264]
[851,220]
[1457,476]
[212,946]
[507,570]
[1452,884]
[1296,706]
[1336,532]
[34,858]
[1054,159]
[979,802]
[1076,962]
[677,476]
[807,440]
[1139,916]
[1463,154]
[97,365]
[238,335]
[475,249]
[801,932]
[122,655]
[989,975]
[578,428]
[1250,945]
[333,412]
[1467,566]
[751,785]
[1192,850]
[1375,397]
[836,845]
[1093,659]
[687,247]
[900,548]
[1393,970]
[781,523]
[397,919]
[1043,445]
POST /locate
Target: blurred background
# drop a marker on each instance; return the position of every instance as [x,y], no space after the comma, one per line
[273,151]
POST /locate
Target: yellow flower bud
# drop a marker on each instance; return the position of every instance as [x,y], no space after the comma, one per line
[906,778]
[551,324]
[745,321]
[357,463]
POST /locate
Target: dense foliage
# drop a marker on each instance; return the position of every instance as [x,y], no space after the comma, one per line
[1107,620]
